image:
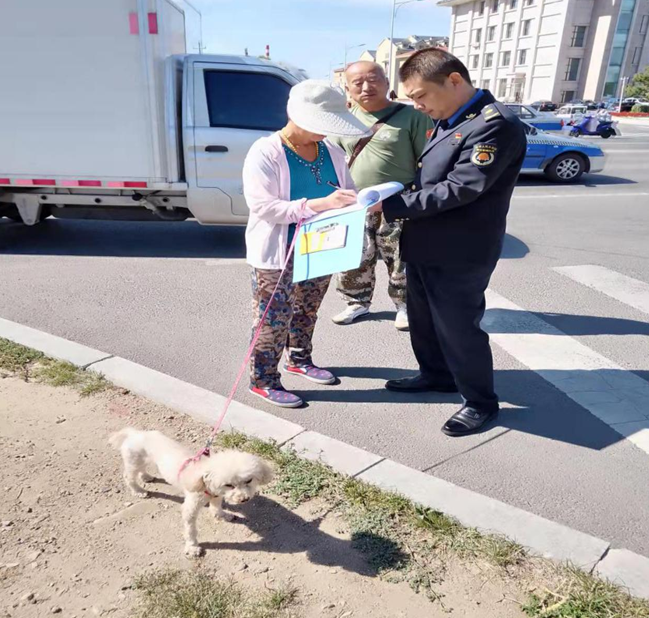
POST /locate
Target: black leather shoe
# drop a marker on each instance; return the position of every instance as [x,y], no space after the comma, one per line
[419,384]
[467,421]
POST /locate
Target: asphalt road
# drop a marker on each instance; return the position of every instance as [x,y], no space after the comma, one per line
[176,297]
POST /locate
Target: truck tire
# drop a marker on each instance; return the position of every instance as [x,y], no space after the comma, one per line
[567,167]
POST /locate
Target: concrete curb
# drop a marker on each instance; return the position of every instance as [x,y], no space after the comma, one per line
[539,535]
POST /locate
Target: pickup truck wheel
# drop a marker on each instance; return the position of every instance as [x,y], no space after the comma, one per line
[567,167]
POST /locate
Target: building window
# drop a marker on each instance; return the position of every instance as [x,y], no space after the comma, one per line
[522,56]
[527,27]
[477,36]
[509,30]
[637,52]
[578,36]
[481,6]
[529,3]
[474,61]
[488,61]
[495,4]
[644,24]
[505,59]
[572,70]
[485,84]
[567,96]
[513,4]
[502,88]
[491,33]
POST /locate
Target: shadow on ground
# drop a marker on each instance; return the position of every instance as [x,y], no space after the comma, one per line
[186,239]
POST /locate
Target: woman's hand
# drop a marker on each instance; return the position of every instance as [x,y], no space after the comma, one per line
[338,199]
[378,207]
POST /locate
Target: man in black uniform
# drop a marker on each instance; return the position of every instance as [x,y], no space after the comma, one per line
[454,218]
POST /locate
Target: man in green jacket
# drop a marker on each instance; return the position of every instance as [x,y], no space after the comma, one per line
[400,133]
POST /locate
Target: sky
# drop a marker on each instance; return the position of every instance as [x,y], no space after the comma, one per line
[313,34]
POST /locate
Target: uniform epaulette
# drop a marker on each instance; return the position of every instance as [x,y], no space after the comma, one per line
[490,112]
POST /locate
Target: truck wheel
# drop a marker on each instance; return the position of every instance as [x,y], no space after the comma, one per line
[567,167]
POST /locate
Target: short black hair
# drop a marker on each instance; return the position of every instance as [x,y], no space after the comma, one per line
[433,65]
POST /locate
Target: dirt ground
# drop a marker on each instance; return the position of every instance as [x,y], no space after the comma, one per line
[72,540]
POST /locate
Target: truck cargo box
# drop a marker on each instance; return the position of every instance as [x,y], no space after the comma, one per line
[82,95]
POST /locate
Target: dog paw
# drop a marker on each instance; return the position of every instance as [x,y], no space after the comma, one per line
[193,551]
[140,494]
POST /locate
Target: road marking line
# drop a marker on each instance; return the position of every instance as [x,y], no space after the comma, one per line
[630,151]
[625,289]
[616,396]
[588,194]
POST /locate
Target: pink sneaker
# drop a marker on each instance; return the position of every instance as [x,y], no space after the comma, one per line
[312,373]
[278,397]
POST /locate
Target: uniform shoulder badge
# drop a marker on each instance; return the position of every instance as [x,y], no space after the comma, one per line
[490,112]
[471,116]
[483,154]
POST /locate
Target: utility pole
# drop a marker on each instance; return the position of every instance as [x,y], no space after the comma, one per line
[625,81]
[200,47]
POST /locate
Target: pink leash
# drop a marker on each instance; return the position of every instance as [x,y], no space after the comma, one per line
[205,451]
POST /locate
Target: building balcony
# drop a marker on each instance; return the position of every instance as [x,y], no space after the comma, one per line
[453,2]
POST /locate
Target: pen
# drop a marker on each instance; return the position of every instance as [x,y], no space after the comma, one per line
[331,184]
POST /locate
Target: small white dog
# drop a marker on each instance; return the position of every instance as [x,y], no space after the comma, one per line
[230,475]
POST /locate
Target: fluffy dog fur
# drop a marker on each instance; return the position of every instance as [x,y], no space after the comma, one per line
[230,475]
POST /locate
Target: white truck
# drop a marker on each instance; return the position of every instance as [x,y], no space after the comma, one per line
[105,114]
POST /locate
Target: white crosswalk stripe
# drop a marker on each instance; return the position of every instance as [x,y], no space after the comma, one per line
[620,287]
[613,394]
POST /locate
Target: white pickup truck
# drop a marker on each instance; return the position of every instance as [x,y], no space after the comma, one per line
[104,114]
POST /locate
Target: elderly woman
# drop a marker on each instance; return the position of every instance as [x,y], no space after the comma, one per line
[288,176]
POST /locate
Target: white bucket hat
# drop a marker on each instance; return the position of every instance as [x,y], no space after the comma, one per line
[316,106]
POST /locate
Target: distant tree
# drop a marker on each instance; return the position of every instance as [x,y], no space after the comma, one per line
[639,86]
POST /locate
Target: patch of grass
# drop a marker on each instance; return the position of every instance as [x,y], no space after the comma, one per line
[17,359]
[199,594]
[403,541]
[27,363]
[580,595]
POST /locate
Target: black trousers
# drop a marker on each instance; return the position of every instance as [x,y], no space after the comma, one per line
[445,306]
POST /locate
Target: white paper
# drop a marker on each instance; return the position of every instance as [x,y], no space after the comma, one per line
[365,198]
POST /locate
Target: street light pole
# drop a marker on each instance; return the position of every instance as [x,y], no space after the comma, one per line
[395,8]
[624,82]
[347,49]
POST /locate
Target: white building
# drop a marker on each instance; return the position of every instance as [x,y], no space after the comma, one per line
[528,50]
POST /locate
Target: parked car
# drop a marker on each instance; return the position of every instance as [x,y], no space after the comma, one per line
[628,103]
[570,112]
[544,106]
[541,120]
[561,159]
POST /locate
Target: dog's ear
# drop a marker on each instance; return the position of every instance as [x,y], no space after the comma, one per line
[264,473]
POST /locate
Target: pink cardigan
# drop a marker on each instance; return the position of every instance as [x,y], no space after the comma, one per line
[267,189]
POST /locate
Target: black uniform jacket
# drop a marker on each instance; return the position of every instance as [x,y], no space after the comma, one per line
[454,213]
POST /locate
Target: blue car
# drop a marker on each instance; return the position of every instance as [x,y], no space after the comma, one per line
[561,159]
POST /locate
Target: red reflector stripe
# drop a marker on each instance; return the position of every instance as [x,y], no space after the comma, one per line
[4,181]
[24,182]
[90,183]
[153,23]
[44,181]
[133,23]
[135,185]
